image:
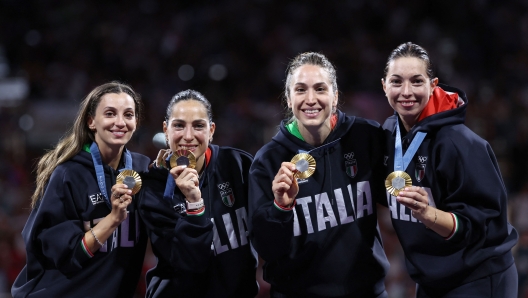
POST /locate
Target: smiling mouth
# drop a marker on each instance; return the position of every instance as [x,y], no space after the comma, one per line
[311,111]
[119,133]
[407,103]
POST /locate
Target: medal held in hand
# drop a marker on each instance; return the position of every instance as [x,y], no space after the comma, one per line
[304,165]
[183,157]
[131,179]
[397,181]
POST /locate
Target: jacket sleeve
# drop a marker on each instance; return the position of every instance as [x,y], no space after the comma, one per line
[474,192]
[271,230]
[182,241]
[54,230]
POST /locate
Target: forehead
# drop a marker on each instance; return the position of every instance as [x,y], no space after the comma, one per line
[407,65]
[189,109]
[116,100]
[310,73]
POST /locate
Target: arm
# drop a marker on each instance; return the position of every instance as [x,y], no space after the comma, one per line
[271,228]
[57,229]
[471,189]
[182,241]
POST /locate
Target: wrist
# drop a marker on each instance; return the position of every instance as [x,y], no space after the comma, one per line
[283,207]
[193,206]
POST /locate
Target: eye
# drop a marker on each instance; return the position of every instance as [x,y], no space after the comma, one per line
[177,126]
[199,126]
[299,90]
[129,115]
[418,82]
[395,82]
[321,89]
[109,114]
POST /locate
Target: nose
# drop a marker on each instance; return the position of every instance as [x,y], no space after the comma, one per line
[406,90]
[188,134]
[120,121]
[311,97]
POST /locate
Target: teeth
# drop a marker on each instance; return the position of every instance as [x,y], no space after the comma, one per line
[311,111]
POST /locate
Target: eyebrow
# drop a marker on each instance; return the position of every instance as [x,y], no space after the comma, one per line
[414,76]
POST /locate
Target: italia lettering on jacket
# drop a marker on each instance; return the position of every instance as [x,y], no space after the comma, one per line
[325,213]
[400,212]
[229,228]
[126,234]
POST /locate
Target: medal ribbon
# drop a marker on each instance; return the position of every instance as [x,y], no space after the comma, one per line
[99,171]
[401,162]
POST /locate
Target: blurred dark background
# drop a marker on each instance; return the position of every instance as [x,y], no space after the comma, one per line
[52,53]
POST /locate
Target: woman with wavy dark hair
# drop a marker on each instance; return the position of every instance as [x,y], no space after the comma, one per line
[83,237]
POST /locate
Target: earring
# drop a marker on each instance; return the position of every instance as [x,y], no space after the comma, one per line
[166,141]
[211,140]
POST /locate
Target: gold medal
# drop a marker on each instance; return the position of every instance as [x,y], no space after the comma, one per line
[304,165]
[397,181]
[183,157]
[131,179]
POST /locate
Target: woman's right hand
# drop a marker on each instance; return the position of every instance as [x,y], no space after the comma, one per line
[285,187]
[121,198]
[188,182]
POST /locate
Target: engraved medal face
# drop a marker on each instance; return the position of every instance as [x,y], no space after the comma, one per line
[131,179]
[183,157]
[397,181]
[304,165]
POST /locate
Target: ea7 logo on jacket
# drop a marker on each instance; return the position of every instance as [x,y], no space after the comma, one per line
[227,194]
[419,170]
[97,198]
[350,165]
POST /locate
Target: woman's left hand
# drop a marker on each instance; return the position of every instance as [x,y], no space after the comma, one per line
[416,199]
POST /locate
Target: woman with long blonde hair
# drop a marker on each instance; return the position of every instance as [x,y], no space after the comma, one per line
[83,236]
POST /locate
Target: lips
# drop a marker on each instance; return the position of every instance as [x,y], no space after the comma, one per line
[118,133]
[188,147]
[407,103]
[311,112]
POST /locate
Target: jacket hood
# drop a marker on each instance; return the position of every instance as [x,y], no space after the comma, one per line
[437,120]
[84,158]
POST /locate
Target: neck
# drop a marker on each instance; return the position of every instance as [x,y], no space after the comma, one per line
[111,156]
[200,164]
[316,136]
[408,124]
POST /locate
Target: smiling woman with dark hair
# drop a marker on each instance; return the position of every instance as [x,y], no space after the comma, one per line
[195,209]
[448,202]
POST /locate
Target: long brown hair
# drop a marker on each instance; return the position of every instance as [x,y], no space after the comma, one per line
[79,134]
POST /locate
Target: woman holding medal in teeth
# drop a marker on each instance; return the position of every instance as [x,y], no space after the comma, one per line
[313,192]
[195,209]
[448,203]
[83,237]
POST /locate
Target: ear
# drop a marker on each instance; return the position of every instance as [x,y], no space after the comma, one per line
[212,130]
[384,86]
[434,82]
[91,124]
[336,99]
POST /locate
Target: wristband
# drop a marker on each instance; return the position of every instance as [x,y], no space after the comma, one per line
[198,212]
[455,227]
[85,248]
[284,208]
[194,206]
